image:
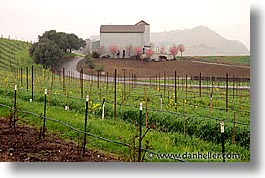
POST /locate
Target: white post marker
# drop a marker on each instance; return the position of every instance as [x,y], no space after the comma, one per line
[15,87]
[45,92]
[141,106]
[223,138]
[222,124]
[87,98]
[103,110]
[211,104]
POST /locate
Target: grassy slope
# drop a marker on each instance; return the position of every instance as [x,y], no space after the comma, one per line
[14,54]
[225,59]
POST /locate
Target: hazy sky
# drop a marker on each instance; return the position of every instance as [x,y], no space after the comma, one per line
[26,19]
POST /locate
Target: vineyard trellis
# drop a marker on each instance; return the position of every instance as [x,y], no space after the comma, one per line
[140,149]
[172,103]
[176,102]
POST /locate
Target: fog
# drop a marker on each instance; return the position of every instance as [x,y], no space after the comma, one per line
[26,19]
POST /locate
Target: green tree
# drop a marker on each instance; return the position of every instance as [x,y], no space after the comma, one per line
[51,35]
[51,46]
[82,42]
[60,38]
[45,52]
[62,41]
[75,42]
[65,41]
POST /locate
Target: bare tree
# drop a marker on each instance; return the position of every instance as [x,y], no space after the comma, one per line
[113,50]
[174,51]
[149,53]
[181,49]
[138,51]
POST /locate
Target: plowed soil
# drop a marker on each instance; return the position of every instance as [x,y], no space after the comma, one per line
[22,144]
[183,67]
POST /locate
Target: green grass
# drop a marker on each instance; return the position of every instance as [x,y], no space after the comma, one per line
[181,82]
[228,59]
[70,54]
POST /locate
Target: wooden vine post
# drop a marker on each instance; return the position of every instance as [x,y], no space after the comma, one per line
[175,90]
[186,83]
[64,82]
[146,108]
[234,130]
[140,132]
[211,105]
[212,83]
[156,83]
[81,83]
[184,121]
[200,84]
[159,82]
[32,82]
[226,94]
[115,92]
[124,85]
[27,78]
[164,83]
[85,127]
[233,86]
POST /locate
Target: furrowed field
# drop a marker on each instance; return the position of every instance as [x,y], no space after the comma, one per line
[176,119]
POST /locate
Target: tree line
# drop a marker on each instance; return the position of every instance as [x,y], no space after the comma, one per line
[52,46]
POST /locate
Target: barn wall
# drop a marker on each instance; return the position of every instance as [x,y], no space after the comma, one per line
[121,40]
[147,35]
[94,46]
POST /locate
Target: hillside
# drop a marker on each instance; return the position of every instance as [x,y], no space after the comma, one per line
[13,54]
[200,41]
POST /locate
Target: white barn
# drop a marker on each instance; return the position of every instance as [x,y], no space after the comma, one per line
[124,37]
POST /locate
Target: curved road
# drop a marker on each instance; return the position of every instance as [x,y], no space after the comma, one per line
[70,66]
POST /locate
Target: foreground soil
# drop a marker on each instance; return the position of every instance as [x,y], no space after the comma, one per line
[22,144]
[183,67]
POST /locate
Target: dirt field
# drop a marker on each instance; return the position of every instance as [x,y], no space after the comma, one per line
[24,145]
[183,67]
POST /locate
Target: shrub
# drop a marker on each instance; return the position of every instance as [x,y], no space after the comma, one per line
[95,54]
[99,68]
[88,56]
[91,63]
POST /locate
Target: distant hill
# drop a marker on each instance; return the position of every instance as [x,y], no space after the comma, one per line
[200,41]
